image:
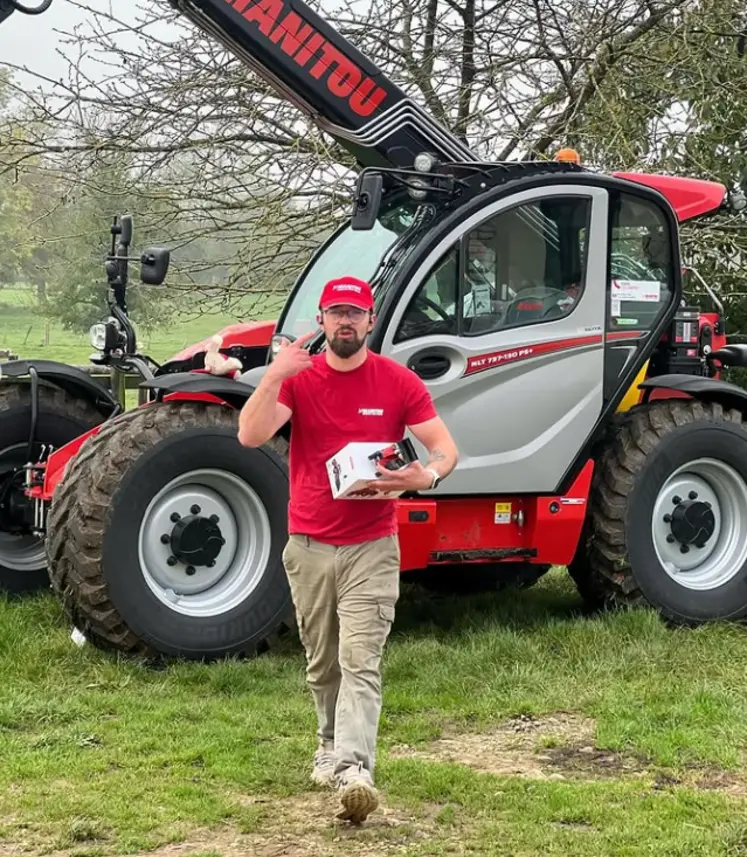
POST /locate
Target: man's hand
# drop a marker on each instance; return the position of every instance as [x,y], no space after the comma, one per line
[411,478]
[291,359]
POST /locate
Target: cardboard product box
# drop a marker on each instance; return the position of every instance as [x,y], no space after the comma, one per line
[352,471]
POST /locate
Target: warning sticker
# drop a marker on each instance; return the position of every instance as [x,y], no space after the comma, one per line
[502,513]
[645,291]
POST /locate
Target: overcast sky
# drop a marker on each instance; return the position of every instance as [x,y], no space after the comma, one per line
[32,40]
[36,41]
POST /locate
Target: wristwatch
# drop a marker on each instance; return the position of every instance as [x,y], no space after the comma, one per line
[436,478]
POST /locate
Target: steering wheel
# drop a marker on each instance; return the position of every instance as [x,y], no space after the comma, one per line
[434,306]
[543,299]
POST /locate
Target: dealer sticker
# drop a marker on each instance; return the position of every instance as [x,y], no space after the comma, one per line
[502,513]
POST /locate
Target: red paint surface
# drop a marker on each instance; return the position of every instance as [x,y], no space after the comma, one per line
[688,197]
[247,334]
[468,524]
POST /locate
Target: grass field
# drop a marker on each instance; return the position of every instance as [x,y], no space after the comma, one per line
[27,333]
[512,725]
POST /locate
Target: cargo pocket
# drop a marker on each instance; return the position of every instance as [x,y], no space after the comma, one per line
[386,617]
[386,611]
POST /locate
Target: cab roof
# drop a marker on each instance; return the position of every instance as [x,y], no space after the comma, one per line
[688,197]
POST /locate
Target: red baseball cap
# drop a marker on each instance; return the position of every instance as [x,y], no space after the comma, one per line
[347,290]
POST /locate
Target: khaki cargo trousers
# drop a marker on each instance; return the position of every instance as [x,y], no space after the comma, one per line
[345,601]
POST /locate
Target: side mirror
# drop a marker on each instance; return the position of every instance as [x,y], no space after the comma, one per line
[734,355]
[367,201]
[154,265]
[124,229]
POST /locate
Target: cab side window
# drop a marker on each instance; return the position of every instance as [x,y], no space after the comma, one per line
[526,265]
[433,307]
[641,264]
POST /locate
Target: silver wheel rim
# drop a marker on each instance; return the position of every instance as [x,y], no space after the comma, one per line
[242,560]
[716,562]
[19,553]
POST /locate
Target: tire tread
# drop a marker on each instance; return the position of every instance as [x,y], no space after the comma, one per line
[55,402]
[601,568]
[80,515]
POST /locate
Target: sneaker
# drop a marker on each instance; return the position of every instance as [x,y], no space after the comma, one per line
[323,773]
[358,797]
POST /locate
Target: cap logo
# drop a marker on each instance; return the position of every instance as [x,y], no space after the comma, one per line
[346,287]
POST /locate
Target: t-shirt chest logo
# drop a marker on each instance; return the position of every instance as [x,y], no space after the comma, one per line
[371,412]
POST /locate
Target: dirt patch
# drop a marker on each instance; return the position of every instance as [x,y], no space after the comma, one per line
[708,779]
[305,826]
[560,746]
[299,826]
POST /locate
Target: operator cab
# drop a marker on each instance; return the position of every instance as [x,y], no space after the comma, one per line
[536,290]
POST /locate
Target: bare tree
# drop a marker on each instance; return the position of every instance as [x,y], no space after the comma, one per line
[220,157]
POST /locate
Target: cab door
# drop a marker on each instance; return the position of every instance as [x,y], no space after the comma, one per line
[504,321]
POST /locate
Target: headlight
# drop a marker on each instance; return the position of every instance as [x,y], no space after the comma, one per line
[424,162]
[276,343]
[418,189]
[97,334]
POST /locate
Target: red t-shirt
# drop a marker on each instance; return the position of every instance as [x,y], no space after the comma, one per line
[375,402]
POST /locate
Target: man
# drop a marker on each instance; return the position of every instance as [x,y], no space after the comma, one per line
[342,557]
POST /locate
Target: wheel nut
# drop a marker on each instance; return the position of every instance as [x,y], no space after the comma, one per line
[676,500]
[684,548]
[190,570]
[670,538]
[693,495]
[667,518]
[211,563]
[172,560]
[214,519]
[175,516]
[195,510]
[165,539]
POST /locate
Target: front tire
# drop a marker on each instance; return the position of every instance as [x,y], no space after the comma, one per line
[667,523]
[165,538]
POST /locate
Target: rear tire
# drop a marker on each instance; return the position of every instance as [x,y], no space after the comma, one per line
[62,417]
[170,481]
[667,523]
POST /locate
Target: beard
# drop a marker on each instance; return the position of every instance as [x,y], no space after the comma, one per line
[348,346]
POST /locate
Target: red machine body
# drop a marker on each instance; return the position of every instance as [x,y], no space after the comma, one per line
[248,334]
[689,198]
[538,529]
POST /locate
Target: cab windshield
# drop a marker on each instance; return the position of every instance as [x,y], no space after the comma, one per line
[353,253]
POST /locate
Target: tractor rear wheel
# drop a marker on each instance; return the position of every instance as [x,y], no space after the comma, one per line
[165,537]
[667,521]
[61,418]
